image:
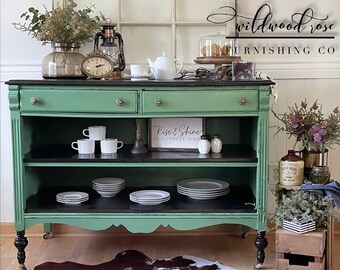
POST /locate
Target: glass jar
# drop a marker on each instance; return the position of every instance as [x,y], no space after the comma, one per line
[320,175]
[216,46]
[64,62]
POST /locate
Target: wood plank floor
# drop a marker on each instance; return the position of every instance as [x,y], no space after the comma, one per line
[227,249]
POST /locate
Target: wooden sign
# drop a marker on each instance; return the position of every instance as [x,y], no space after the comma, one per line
[175,134]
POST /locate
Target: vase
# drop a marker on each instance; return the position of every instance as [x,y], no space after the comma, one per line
[64,62]
[314,158]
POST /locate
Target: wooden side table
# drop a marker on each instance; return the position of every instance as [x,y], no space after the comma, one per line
[329,249]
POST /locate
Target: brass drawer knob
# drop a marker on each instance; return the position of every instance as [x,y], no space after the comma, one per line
[158,102]
[35,101]
[243,100]
[120,101]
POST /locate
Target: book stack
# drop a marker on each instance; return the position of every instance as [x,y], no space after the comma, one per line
[299,225]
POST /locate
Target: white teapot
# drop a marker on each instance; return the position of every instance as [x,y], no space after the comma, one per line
[165,68]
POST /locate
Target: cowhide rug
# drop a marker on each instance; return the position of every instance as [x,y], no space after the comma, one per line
[135,260]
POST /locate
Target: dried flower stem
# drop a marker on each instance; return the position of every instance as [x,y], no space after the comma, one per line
[310,127]
[62,24]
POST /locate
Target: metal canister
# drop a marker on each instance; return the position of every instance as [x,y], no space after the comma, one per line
[314,158]
[291,168]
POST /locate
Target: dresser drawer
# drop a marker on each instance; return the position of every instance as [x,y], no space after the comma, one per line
[104,101]
[200,101]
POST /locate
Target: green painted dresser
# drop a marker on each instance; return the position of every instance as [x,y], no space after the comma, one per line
[47,115]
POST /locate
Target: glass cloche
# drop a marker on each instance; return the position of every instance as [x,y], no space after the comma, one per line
[216,49]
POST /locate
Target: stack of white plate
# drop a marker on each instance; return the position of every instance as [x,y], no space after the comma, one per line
[203,189]
[72,197]
[150,197]
[108,186]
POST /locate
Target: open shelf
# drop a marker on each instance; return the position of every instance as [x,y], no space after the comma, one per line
[239,200]
[64,153]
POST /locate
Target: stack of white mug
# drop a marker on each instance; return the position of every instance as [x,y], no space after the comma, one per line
[96,133]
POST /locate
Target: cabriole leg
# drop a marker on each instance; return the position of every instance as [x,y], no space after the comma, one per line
[47,230]
[245,230]
[20,243]
[261,243]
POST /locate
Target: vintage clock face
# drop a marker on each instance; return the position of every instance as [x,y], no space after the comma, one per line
[97,66]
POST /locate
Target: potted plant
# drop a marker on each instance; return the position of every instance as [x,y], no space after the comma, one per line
[66,29]
[315,133]
[310,127]
[296,203]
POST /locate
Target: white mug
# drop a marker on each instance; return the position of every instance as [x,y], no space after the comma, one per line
[139,71]
[95,133]
[110,146]
[84,146]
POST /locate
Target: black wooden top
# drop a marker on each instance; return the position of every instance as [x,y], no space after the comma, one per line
[149,83]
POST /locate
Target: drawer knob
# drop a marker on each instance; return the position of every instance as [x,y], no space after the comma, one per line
[120,101]
[35,101]
[158,102]
[243,101]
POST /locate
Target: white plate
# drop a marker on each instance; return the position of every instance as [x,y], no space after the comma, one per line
[204,194]
[150,202]
[203,184]
[73,203]
[72,200]
[179,189]
[149,197]
[72,195]
[198,197]
[65,200]
[149,194]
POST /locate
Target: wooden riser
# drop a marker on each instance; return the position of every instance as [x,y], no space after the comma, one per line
[310,244]
[294,251]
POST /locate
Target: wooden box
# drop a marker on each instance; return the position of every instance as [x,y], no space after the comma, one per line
[287,264]
[300,251]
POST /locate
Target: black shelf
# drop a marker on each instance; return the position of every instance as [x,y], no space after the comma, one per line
[239,200]
[64,153]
